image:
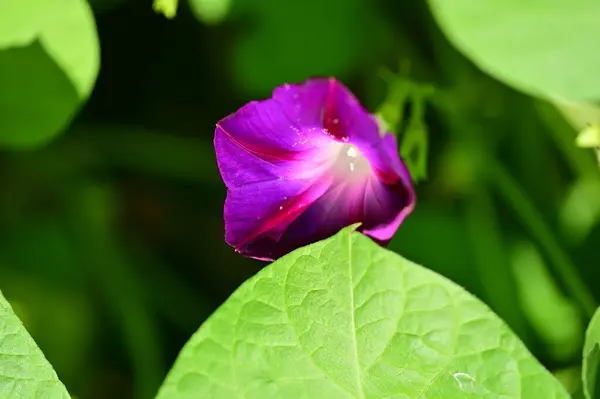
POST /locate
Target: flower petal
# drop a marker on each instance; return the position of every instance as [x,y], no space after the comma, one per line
[380,208]
[386,206]
[304,164]
[344,117]
[329,204]
[283,127]
[240,166]
[303,103]
[258,214]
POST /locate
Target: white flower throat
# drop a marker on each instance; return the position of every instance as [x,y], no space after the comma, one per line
[350,162]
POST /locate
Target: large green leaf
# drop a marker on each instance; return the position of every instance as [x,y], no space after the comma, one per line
[24,371]
[49,60]
[543,47]
[344,318]
[591,358]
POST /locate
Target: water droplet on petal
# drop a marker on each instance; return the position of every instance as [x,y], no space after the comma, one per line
[281,208]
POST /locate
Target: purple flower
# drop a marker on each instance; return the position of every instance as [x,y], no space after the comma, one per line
[304,164]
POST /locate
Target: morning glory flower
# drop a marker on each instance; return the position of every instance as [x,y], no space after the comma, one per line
[305,163]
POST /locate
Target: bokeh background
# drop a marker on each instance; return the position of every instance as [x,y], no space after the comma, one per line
[111,233]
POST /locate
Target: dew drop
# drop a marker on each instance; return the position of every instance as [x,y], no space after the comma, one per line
[345,139]
[468,384]
[281,208]
[352,152]
[335,121]
[352,166]
[463,380]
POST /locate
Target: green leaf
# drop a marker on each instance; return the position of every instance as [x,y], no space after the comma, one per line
[591,358]
[210,11]
[49,60]
[589,137]
[24,371]
[545,48]
[166,7]
[344,318]
[391,112]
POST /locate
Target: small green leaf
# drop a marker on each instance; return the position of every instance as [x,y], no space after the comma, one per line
[210,11]
[49,60]
[591,358]
[584,117]
[168,8]
[415,139]
[589,137]
[345,318]
[24,371]
[414,150]
[545,48]
[391,112]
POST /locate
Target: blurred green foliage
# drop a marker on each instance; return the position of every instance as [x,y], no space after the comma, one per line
[111,235]
[591,358]
[48,66]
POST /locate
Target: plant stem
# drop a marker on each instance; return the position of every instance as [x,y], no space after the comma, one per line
[510,191]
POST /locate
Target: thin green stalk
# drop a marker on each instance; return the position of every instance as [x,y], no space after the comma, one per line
[510,191]
[490,257]
[90,218]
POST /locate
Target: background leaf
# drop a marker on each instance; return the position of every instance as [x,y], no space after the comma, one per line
[545,48]
[49,60]
[210,11]
[24,371]
[166,7]
[292,40]
[140,154]
[591,358]
[344,318]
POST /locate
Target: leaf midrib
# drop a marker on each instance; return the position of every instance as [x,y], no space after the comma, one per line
[359,385]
